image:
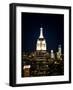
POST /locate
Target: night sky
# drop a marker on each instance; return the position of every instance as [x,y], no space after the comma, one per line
[53,28]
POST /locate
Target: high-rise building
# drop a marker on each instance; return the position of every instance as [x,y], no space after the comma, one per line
[41,42]
[52,54]
[59,49]
[59,53]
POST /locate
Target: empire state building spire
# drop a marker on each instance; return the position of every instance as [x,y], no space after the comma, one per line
[41,33]
[41,42]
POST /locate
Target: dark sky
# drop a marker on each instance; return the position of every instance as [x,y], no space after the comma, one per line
[53,29]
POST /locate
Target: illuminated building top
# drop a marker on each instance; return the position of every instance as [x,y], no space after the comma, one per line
[41,42]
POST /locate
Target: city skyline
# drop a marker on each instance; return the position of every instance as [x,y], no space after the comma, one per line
[42,45]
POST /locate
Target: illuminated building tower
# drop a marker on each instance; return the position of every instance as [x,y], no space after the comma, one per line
[59,49]
[41,43]
[52,54]
[59,53]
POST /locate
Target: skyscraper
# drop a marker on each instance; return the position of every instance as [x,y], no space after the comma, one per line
[41,42]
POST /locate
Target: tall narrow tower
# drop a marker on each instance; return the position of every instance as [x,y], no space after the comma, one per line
[41,42]
[41,33]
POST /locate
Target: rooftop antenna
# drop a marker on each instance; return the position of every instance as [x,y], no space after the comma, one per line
[41,32]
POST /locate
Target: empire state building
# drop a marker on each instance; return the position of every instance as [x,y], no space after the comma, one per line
[41,42]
